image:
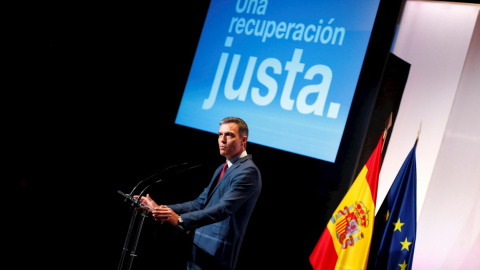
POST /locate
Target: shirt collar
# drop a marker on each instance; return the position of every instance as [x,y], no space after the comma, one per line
[234,159]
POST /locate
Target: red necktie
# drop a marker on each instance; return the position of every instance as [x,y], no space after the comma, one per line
[225,166]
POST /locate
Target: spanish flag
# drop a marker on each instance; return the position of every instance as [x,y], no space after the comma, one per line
[345,242]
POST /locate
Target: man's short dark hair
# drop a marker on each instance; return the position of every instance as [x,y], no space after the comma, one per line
[242,126]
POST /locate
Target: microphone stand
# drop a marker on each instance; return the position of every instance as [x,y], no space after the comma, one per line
[138,208]
[140,211]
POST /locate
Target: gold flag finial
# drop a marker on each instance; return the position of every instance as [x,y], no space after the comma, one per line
[388,124]
[419,130]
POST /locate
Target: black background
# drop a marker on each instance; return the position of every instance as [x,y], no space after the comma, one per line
[90,108]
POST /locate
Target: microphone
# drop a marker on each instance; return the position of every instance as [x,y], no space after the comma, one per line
[160,180]
[136,202]
[184,170]
[155,174]
[128,197]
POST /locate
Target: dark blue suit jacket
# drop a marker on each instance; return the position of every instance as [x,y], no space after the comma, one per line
[221,212]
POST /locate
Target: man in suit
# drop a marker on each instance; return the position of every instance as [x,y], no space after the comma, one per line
[218,217]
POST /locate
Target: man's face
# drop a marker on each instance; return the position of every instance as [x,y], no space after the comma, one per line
[229,141]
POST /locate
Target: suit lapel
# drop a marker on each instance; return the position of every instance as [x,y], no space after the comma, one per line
[215,185]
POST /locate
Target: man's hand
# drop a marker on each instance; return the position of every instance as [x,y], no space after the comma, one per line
[165,214]
[147,201]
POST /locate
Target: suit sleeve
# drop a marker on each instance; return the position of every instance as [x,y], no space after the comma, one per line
[243,185]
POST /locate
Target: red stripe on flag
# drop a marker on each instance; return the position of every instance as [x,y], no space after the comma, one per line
[373,165]
[324,255]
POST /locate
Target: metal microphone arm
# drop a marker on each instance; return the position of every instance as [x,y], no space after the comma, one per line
[160,180]
[156,174]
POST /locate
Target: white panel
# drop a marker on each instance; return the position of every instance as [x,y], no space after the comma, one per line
[434,38]
[450,220]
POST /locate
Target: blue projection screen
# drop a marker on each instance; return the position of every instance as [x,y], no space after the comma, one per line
[288,68]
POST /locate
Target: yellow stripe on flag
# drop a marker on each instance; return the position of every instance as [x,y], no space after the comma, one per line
[353,251]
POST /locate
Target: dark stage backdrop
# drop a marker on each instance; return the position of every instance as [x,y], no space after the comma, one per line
[91,107]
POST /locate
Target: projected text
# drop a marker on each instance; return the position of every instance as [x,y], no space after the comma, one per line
[293,67]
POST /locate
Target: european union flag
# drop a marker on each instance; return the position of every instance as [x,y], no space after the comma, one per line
[395,227]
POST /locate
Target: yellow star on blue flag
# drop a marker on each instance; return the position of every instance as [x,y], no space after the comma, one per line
[393,240]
